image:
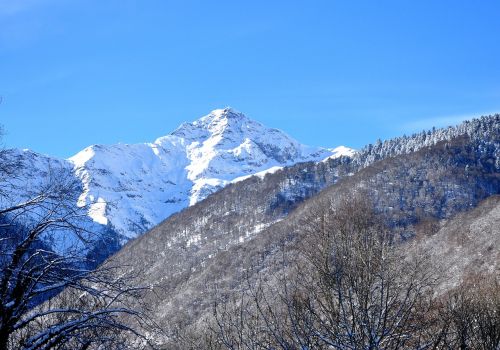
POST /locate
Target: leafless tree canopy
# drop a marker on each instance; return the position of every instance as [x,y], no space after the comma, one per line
[49,297]
[351,287]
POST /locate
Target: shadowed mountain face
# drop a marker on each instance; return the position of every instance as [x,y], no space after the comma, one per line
[427,177]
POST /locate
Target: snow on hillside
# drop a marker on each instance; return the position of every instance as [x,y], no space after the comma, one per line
[133,187]
[341,151]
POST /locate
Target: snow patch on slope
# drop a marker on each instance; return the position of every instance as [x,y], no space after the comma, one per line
[260,174]
[341,151]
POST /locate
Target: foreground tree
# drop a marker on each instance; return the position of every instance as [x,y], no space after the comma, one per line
[358,290]
[349,287]
[470,315]
[49,298]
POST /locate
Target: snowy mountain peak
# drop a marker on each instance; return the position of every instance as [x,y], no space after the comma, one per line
[83,156]
[133,187]
[226,144]
[223,114]
[218,122]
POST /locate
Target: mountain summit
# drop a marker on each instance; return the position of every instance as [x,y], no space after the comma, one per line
[134,187]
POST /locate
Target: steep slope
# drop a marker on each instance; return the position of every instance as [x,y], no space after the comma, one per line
[245,224]
[132,187]
[466,245]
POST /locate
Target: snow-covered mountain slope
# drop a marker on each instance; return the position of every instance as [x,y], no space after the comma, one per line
[134,187]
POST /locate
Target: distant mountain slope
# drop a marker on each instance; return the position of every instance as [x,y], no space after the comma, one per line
[246,223]
[131,188]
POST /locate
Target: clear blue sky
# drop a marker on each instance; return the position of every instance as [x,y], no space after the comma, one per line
[79,72]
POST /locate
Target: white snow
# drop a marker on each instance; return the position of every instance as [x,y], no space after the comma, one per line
[340,151]
[260,174]
[135,186]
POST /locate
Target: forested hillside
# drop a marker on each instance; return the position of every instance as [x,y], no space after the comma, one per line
[241,232]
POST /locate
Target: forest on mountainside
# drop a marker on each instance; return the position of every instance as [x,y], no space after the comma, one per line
[347,285]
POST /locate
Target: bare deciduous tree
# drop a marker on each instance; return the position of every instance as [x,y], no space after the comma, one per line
[350,287]
[49,298]
[360,291]
[470,315]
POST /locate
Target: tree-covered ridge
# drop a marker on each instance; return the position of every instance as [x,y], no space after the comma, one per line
[305,180]
[485,129]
